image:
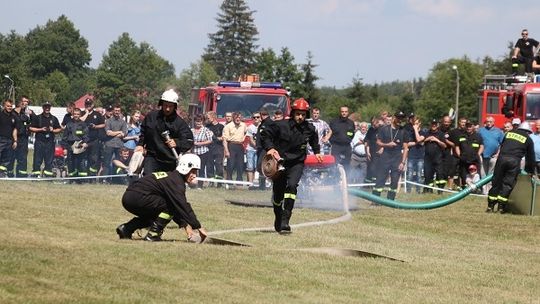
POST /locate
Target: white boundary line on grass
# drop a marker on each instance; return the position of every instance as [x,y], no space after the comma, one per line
[343,218]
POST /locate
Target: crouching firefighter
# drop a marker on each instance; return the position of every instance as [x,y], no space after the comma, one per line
[515,145]
[286,141]
[160,197]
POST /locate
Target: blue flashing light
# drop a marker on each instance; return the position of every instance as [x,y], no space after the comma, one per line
[238,84]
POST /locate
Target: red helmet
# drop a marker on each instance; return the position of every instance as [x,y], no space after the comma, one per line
[58,151]
[300,104]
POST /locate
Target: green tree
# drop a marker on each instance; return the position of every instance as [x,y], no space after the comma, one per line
[288,72]
[356,91]
[57,46]
[265,64]
[308,88]
[232,49]
[438,95]
[132,75]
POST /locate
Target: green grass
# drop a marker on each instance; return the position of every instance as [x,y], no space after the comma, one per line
[58,245]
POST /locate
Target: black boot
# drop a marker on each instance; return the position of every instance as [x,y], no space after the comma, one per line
[286,217]
[125,231]
[502,208]
[156,229]
[490,207]
[278,211]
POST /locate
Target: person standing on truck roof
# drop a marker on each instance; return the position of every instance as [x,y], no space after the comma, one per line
[524,52]
[159,155]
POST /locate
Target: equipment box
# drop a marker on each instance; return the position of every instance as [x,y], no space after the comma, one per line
[525,198]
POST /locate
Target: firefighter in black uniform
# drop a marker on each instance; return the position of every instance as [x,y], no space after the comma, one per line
[24,115]
[434,143]
[159,197]
[8,136]
[516,144]
[215,168]
[286,140]
[342,134]
[159,156]
[76,131]
[394,140]
[265,120]
[96,131]
[469,148]
[373,151]
[45,126]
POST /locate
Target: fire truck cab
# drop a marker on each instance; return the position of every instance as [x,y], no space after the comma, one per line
[245,97]
[508,97]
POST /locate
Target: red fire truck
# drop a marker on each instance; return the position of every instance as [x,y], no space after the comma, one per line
[508,97]
[245,97]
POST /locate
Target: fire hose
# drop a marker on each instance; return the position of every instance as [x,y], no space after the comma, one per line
[425,205]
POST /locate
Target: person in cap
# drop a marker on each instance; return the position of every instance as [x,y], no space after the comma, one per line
[286,141]
[45,127]
[162,131]
[472,178]
[160,197]
[515,123]
[75,140]
[8,136]
[516,145]
[342,135]
[96,134]
[20,156]
[435,144]
[469,148]
[393,139]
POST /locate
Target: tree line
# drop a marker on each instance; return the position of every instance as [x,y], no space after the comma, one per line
[51,63]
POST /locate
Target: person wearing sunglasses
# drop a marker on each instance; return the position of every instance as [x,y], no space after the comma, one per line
[524,51]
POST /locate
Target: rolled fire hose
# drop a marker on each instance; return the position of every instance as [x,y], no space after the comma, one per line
[426,205]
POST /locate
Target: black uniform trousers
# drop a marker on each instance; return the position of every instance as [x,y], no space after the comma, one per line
[387,165]
[21,158]
[504,179]
[6,152]
[215,162]
[43,153]
[152,164]
[433,167]
[285,187]
[236,161]
[94,152]
[77,164]
[146,207]
[523,60]
[342,153]
[372,165]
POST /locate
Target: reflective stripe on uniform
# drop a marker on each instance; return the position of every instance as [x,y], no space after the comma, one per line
[165,216]
[290,195]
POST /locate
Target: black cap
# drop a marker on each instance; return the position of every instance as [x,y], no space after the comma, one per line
[88,102]
[46,104]
[434,121]
[469,123]
[399,114]
[109,108]
[411,115]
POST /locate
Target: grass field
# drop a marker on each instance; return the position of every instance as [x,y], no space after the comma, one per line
[58,245]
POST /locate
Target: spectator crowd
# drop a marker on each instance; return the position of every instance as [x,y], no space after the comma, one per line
[100,142]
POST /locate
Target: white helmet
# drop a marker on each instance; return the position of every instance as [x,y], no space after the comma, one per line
[169,96]
[525,127]
[188,162]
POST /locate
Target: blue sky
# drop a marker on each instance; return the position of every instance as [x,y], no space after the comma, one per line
[376,40]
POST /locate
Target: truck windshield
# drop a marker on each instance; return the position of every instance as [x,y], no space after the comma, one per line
[246,104]
[533,106]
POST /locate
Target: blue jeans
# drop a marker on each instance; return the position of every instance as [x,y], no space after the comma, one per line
[415,172]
